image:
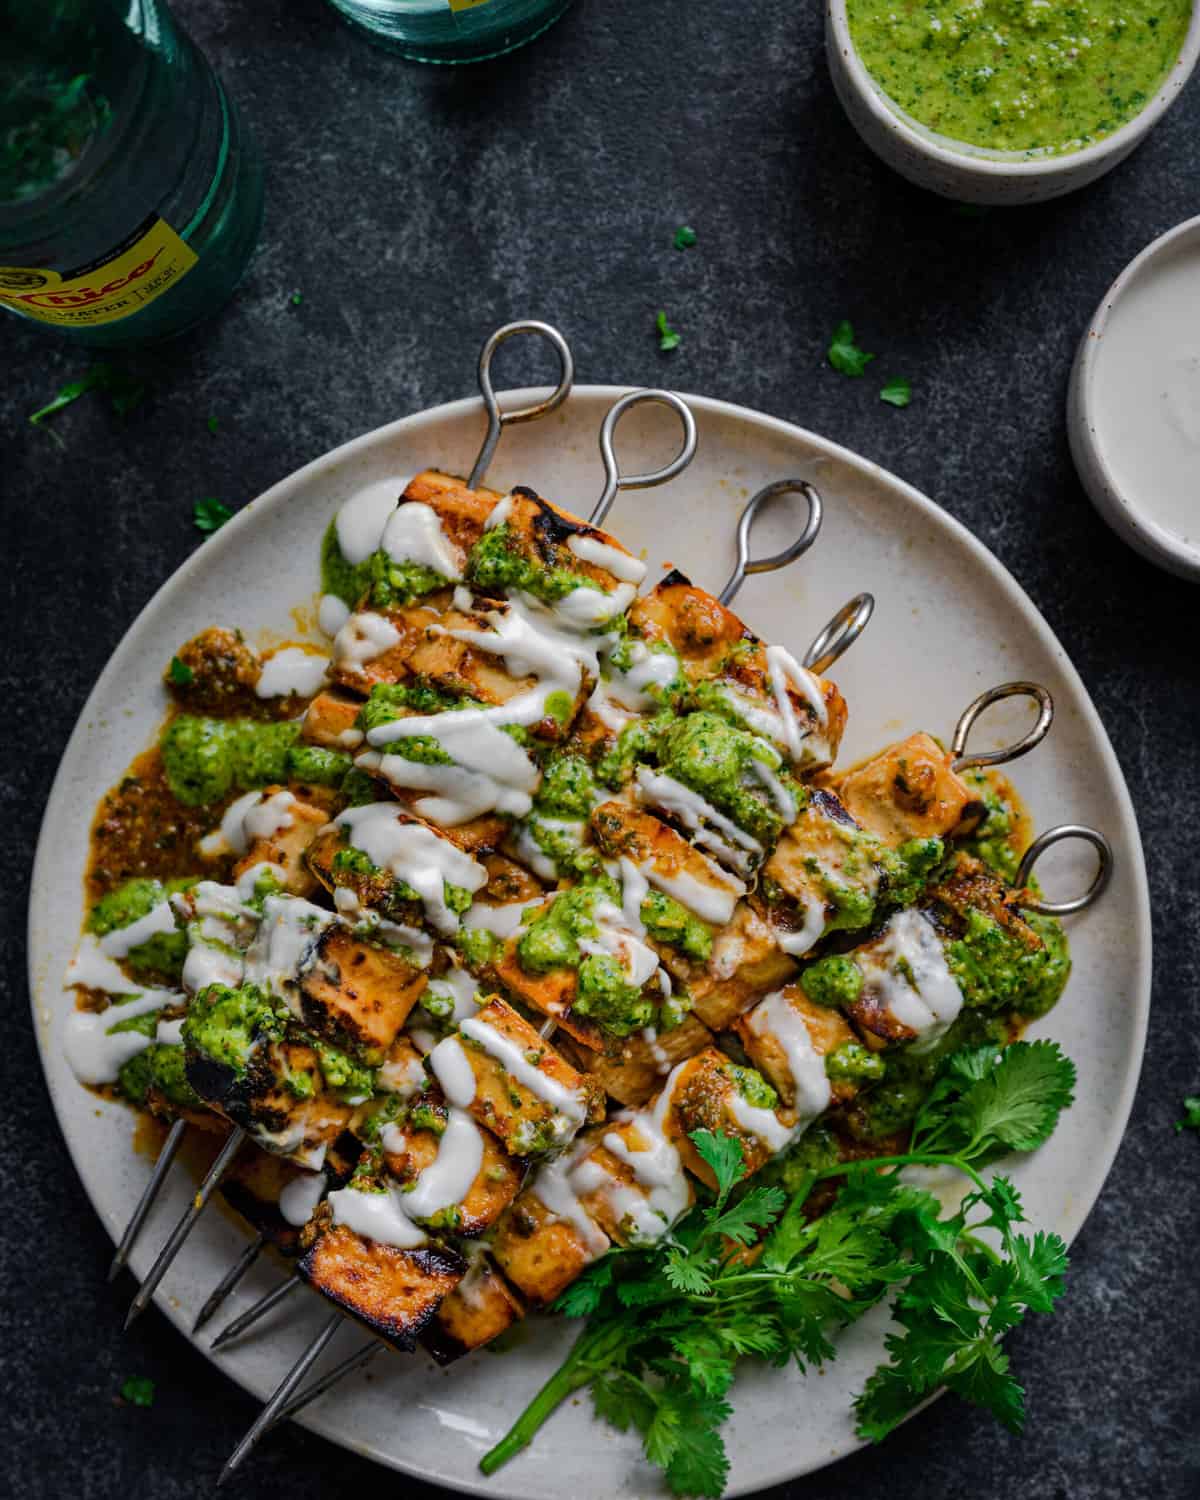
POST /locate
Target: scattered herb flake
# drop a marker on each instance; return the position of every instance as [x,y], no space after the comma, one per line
[667,336]
[124,390]
[138,1390]
[1191,1114]
[180,673]
[212,425]
[844,355]
[296,299]
[896,391]
[685,237]
[210,515]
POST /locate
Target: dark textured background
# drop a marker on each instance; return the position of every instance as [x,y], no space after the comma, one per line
[415,209]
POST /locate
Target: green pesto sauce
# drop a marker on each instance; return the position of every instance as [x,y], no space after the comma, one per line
[605,996]
[318,766]
[342,1073]
[206,759]
[992,840]
[225,1024]
[854,1061]
[349,581]
[551,941]
[567,787]
[752,1086]
[161,1068]
[564,847]
[995,971]
[161,955]
[396,700]
[716,759]
[497,563]
[834,981]
[477,946]
[668,921]
[1035,76]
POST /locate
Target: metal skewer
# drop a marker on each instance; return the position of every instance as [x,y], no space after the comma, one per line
[963,761]
[831,641]
[170,1150]
[614,480]
[231,1278]
[259,1310]
[185,1226]
[1047,840]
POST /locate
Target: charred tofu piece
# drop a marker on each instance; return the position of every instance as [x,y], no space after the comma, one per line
[393,1290]
[546,1238]
[462,512]
[709,1092]
[331,722]
[457,1176]
[632,1069]
[900,988]
[479,1309]
[253,1186]
[747,963]
[824,874]
[632,1183]
[791,1041]
[514,1082]
[697,627]
[361,990]
[280,829]
[403,1070]
[802,715]
[380,856]
[909,791]
[376,646]
[671,865]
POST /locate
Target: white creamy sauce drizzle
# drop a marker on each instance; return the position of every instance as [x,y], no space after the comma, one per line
[169,1033]
[930,1007]
[93,1055]
[763,1123]
[782,798]
[451,1067]
[731,844]
[447,1179]
[122,940]
[285,946]
[527,849]
[220,926]
[615,940]
[292,670]
[405,1077]
[361,519]
[418,944]
[500,921]
[662,1195]
[499,513]
[634,890]
[647,669]
[364,637]
[299,1198]
[415,855]
[783,668]
[712,899]
[586,609]
[266,818]
[775,1018]
[414,534]
[460,988]
[604,707]
[662,1060]
[564,1101]
[623,567]
[332,614]
[248,881]
[230,837]
[377,1216]
[350,739]
[553,1185]
[803,937]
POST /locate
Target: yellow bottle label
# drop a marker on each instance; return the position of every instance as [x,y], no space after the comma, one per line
[147,264]
[466,4]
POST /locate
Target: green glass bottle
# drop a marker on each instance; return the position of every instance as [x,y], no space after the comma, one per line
[450,31]
[130,191]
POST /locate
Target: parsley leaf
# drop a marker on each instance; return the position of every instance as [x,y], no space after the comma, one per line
[180,673]
[1191,1114]
[896,391]
[844,354]
[724,1155]
[138,1390]
[685,237]
[296,299]
[124,391]
[667,336]
[210,515]
[212,424]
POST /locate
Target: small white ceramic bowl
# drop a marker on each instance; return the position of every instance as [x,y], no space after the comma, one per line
[1133,405]
[972,174]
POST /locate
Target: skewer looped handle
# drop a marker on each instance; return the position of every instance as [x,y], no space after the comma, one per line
[498,420]
[961,761]
[836,637]
[1058,835]
[747,564]
[614,480]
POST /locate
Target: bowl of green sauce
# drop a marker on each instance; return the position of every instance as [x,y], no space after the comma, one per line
[1008,101]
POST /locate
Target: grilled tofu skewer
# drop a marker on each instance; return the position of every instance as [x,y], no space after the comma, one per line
[497,421]
[834,638]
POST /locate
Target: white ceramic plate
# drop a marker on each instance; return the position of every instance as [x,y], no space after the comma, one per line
[949,622]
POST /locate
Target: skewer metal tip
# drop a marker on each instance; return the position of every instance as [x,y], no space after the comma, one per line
[260,1309]
[170,1150]
[230,1280]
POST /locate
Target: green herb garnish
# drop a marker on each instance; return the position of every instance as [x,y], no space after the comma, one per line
[667,1325]
[210,515]
[1191,1114]
[180,673]
[896,392]
[138,1390]
[685,237]
[667,336]
[844,355]
[124,391]
[212,425]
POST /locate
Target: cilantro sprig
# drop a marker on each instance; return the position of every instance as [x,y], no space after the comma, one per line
[666,1326]
[209,515]
[844,354]
[125,391]
[668,337]
[1191,1114]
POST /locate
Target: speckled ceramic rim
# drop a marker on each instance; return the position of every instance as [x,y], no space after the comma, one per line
[998,165]
[157,615]
[1116,506]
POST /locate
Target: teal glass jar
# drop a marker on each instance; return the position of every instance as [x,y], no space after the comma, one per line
[450,31]
[130,192]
